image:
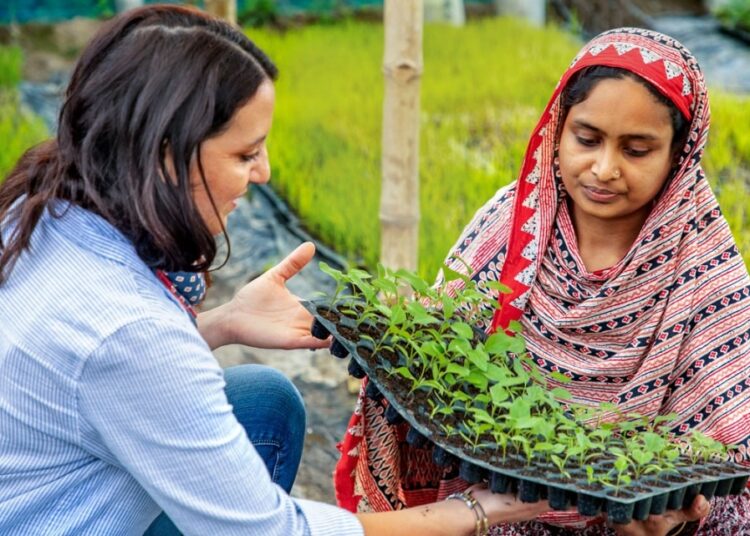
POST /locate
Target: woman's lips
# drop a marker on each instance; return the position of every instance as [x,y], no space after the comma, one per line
[233,203]
[599,195]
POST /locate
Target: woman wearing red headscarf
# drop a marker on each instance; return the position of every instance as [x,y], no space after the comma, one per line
[623,272]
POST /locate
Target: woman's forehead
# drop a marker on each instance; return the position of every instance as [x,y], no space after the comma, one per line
[624,106]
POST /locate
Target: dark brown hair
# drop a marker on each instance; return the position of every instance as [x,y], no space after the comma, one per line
[155,78]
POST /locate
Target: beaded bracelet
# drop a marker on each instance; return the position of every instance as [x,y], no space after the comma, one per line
[483,524]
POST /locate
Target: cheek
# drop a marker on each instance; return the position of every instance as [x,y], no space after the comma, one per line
[230,178]
[571,158]
[654,177]
[198,189]
[568,163]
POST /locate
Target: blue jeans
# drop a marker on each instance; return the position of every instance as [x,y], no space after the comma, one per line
[270,408]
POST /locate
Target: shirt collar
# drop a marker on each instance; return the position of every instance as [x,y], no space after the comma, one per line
[91,232]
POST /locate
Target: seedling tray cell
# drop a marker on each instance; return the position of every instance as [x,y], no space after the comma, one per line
[532,481]
[442,457]
[559,498]
[659,504]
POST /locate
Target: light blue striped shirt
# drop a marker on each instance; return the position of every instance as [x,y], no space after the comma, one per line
[112,406]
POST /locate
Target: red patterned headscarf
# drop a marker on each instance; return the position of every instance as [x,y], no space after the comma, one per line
[667,329]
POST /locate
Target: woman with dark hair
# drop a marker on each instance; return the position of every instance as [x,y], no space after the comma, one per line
[623,274]
[112,407]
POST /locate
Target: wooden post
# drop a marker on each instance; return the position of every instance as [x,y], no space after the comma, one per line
[399,199]
[224,9]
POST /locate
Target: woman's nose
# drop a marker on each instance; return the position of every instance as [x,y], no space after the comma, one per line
[606,166]
[261,174]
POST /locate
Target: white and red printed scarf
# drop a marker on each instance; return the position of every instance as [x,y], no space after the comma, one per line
[665,330]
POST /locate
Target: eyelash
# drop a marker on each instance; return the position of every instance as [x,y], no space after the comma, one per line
[588,142]
[249,157]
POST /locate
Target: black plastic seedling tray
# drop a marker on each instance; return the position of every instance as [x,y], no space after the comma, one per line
[653,494]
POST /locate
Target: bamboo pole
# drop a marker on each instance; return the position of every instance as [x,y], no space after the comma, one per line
[402,69]
[224,9]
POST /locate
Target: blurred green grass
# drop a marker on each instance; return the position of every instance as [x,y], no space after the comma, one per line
[733,13]
[19,128]
[727,163]
[483,89]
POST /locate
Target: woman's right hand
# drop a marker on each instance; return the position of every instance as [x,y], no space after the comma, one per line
[664,524]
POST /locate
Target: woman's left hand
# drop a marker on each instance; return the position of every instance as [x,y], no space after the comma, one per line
[264,314]
[663,524]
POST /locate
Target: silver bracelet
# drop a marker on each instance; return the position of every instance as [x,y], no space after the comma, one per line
[482,523]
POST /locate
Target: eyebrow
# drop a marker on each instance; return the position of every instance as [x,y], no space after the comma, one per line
[254,143]
[632,136]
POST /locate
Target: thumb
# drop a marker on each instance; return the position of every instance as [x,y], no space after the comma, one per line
[700,508]
[295,261]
